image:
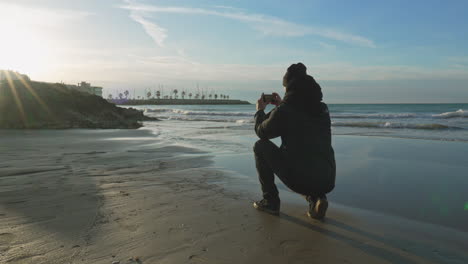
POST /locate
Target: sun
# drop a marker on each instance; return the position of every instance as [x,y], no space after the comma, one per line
[24,49]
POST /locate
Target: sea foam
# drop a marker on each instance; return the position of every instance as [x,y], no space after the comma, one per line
[458,113]
[431,126]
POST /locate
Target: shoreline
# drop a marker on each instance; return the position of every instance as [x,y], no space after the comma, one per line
[98,196]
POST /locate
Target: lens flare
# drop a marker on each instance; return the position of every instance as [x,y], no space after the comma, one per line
[18,102]
[33,93]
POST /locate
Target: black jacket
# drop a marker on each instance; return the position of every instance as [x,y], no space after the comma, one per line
[306,141]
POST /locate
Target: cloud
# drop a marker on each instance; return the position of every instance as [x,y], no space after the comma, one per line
[147,68]
[157,33]
[351,72]
[228,7]
[267,25]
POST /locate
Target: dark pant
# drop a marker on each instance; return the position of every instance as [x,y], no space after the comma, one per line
[269,161]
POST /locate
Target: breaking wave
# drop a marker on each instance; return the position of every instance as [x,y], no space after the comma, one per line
[201,118]
[377,116]
[458,113]
[199,113]
[393,125]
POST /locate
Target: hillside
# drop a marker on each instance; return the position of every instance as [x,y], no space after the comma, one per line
[28,104]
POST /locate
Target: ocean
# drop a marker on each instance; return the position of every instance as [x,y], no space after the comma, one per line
[447,122]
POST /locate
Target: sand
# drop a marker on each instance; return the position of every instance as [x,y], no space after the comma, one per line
[122,196]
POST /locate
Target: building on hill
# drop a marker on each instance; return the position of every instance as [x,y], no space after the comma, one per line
[13,75]
[87,88]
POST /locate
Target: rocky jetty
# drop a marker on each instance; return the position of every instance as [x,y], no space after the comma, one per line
[27,104]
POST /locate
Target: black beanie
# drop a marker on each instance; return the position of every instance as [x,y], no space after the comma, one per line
[302,91]
[296,70]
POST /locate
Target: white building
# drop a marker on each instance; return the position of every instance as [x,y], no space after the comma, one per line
[87,88]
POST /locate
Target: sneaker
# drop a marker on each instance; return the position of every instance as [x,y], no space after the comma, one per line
[267,206]
[318,209]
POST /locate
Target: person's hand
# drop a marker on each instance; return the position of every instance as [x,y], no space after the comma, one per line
[261,105]
[276,99]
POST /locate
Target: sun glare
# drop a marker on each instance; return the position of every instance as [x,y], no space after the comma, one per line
[24,50]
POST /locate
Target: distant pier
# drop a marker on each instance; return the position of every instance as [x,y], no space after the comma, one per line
[177,102]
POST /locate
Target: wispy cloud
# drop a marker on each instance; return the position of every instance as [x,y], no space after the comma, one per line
[267,25]
[157,33]
[228,7]
[327,46]
[146,68]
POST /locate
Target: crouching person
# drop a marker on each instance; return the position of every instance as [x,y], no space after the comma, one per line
[305,161]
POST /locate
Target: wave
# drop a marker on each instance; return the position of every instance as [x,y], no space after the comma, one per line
[184,118]
[393,125]
[458,113]
[380,116]
[388,125]
[148,110]
[199,113]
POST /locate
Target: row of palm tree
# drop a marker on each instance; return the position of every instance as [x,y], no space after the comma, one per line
[183,94]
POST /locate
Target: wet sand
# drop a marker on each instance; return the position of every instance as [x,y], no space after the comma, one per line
[122,196]
[423,180]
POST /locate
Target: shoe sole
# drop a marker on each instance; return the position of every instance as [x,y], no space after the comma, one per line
[320,210]
[273,212]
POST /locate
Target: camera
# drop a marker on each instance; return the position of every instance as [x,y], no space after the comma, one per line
[268,98]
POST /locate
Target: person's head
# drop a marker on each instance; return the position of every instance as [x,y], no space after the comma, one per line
[294,71]
[301,88]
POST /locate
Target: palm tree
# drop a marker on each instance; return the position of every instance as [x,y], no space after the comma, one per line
[203,97]
[183,94]
[197,96]
[175,93]
[216,96]
[126,93]
[190,95]
[120,95]
[148,95]
[158,94]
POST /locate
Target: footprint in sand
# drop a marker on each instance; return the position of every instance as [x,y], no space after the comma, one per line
[5,240]
[297,249]
[289,246]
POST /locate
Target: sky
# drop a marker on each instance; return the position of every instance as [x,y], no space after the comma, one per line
[359,51]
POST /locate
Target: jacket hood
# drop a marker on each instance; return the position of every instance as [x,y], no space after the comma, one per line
[304,94]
